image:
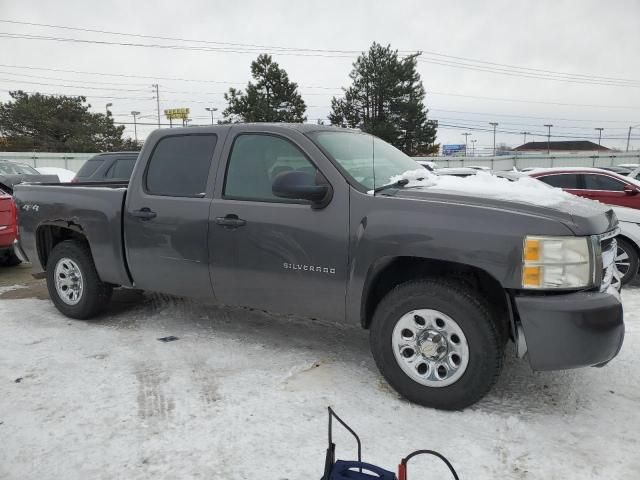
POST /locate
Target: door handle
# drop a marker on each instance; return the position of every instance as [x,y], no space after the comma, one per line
[230,220]
[144,213]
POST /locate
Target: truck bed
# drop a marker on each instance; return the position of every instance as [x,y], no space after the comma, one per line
[93,209]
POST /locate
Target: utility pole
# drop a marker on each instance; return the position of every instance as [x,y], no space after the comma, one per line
[211,110]
[525,136]
[135,125]
[599,134]
[466,143]
[629,134]
[157,88]
[548,125]
[494,125]
[473,147]
[106,107]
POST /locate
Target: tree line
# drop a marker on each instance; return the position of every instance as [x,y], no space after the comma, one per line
[385,98]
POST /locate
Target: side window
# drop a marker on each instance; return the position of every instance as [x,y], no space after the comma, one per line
[179,165]
[563,180]
[254,163]
[603,182]
[122,169]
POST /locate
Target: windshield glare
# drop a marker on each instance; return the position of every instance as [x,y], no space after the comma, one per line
[358,152]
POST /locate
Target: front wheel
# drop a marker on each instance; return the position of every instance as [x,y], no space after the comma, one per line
[73,282]
[626,261]
[436,343]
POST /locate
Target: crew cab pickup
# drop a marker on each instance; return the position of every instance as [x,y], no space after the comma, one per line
[331,223]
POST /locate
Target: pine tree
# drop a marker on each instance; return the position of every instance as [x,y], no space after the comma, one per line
[272,98]
[56,123]
[386,99]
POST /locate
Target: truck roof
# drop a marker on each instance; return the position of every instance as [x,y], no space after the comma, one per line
[301,127]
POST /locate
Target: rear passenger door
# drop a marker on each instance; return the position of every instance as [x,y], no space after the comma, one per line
[167,212]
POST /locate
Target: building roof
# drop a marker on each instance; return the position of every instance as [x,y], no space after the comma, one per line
[568,145]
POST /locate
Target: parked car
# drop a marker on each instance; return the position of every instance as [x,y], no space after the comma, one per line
[303,219]
[594,183]
[64,175]
[479,167]
[107,167]
[8,229]
[628,250]
[457,171]
[13,173]
[617,169]
[634,174]
[431,166]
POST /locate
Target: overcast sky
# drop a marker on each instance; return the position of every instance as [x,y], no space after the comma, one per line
[587,38]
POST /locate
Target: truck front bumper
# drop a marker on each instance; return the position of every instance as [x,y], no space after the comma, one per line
[571,330]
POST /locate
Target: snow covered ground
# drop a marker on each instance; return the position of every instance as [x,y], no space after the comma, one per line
[243,395]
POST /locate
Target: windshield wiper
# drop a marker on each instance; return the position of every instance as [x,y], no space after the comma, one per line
[400,183]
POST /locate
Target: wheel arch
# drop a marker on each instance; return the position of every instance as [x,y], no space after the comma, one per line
[50,234]
[390,272]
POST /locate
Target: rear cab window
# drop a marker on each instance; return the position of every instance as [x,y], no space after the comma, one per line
[179,165]
[121,169]
[90,167]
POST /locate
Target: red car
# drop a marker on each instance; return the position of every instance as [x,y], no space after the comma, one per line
[594,183]
[8,229]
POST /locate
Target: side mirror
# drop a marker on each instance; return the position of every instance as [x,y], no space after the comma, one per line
[630,190]
[302,186]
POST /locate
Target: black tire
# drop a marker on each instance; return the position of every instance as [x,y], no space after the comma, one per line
[95,294]
[632,268]
[470,312]
[10,260]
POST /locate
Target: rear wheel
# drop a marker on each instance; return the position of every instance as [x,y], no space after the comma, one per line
[73,282]
[626,260]
[437,344]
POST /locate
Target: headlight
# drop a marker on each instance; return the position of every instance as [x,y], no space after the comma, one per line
[556,262]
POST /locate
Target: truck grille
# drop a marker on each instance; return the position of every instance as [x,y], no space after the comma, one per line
[610,274]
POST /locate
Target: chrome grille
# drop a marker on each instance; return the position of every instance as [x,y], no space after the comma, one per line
[610,275]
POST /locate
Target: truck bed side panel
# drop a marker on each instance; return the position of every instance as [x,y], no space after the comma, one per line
[94,211]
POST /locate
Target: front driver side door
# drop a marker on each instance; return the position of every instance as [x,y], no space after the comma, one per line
[275,254]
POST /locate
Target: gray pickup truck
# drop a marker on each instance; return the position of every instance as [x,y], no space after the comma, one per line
[319,222]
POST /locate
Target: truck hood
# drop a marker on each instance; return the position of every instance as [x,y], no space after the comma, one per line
[580,215]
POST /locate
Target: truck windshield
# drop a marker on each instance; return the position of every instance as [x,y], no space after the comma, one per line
[357,153]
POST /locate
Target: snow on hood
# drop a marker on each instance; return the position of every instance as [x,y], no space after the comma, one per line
[483,184]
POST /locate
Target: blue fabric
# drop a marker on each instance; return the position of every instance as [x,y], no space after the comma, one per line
[343,470]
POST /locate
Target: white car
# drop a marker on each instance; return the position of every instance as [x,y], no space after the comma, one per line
[628,256]
[63,174]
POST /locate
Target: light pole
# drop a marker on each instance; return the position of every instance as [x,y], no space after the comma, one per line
[106,107]
[211,110]
[525,136]
[548,125]
[466,143]
[629,135]
[473,147]
[135,125]
[156,88]
[599,134]
[494,125]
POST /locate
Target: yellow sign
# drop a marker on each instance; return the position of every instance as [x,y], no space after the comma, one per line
[177,113]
